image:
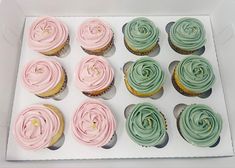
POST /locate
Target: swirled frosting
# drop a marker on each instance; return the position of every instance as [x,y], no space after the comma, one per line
[146,125]
[94,73]
[199,125]
[35,127]
[145,75]
[41,75]
[188,34]
[94,34]
[196,74]
[46,34]
[93,123]
[141,33]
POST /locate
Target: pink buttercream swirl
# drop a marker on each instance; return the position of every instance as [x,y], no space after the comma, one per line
[93,73]
[41,75]
[46,34]
[94,34]
[93,123]
[35,127]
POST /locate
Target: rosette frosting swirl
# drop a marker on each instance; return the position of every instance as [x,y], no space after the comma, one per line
[145,75]
[93,123]
[146,125]
[196,74]
[46,34]
[94,34]
[94,73]
[42,75]
[35,127]
[188,34]
[141,33]
[199,125]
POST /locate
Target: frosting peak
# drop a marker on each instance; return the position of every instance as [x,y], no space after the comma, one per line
[146,125]
[94,73]
[41,75]
[141,33]
[199,125]
[145,75]
[195,73]
[47,33]
[94,34]
[93,123]
[35,127]
[188,34]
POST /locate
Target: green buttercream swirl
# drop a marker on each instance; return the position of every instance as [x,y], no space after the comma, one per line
[199,125]
[188,34]
[145,75]
[141,33]
[196,74]
[146,125]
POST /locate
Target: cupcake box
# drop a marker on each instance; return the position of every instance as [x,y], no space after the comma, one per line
[124,147]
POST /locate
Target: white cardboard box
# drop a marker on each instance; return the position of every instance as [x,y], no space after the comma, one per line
[124,148]
[12,15]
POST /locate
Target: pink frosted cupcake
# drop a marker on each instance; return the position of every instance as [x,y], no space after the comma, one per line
[94,124]
[44,77]
[38,126]
[94,75]
[48,36]
[95,37]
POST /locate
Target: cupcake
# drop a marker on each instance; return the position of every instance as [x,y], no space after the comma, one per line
[146,125]
[49,36]
[144,77]
[141,36]
[93,124]
[44,77]
[193,75]
[187,35]
[95,36]
[94,75]
[199,125]
[38,126]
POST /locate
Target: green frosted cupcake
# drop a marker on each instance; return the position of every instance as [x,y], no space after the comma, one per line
[187,35]
[194,75]
[146,125]
[141,36]
[200,125]
[144,78]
